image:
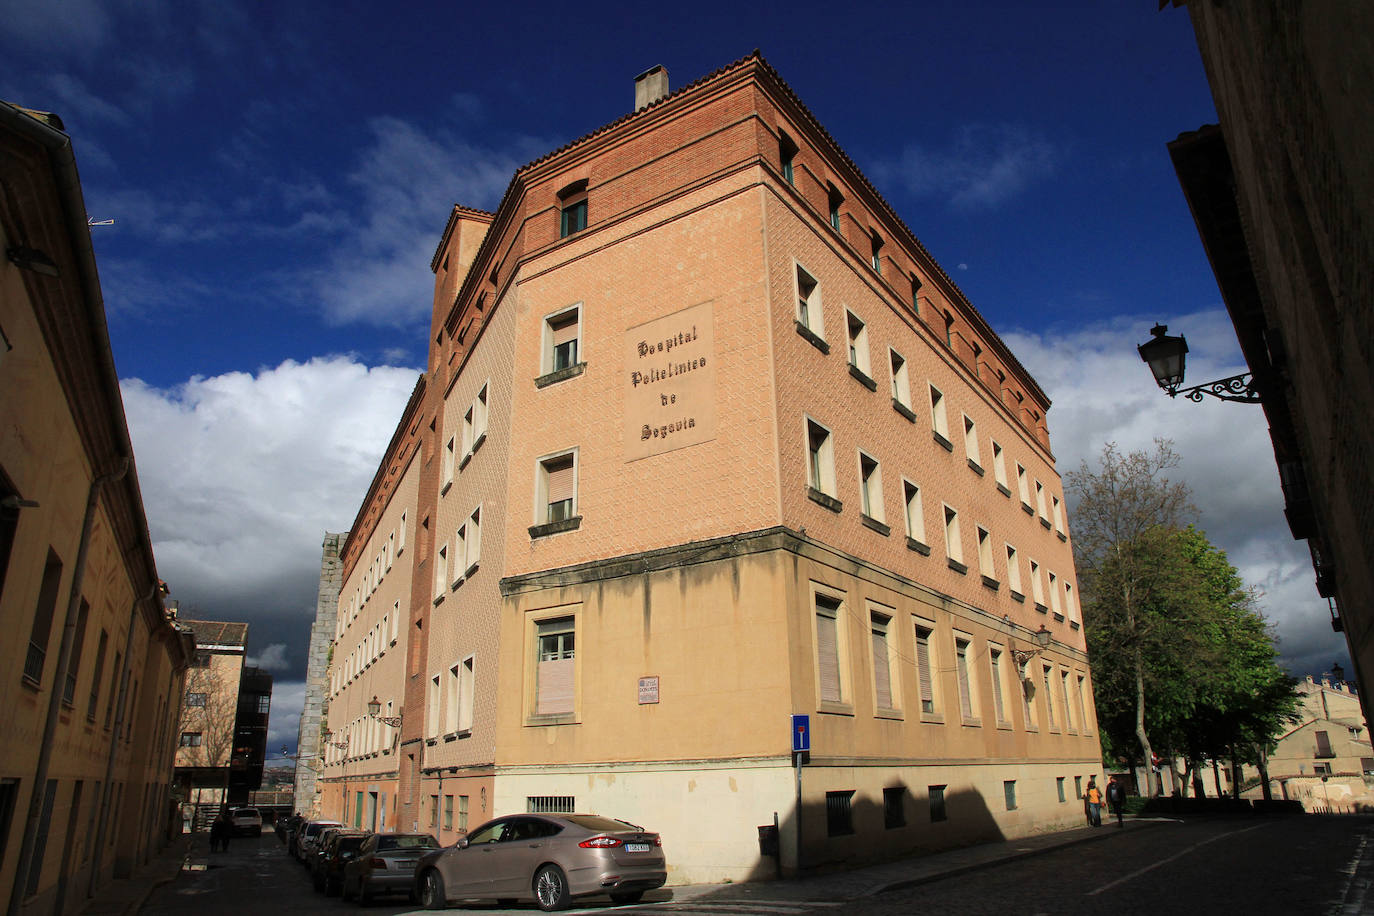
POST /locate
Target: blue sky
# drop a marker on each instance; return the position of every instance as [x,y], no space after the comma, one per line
[279,175]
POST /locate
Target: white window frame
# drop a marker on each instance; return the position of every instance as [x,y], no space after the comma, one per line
[1037,587]
[871,487]
[939,421]
[547,357]
[472,551]
[914,511]
[467,688]
[996,657]
[820,594]
[985,561]
[880,620]
[441,573]
[966,680]
[1040,502]
[541,484]
[1014,570]
[809,312]
[820,472]
[450,461]
[901,378]
[1055,605]
[971,451]
[999,466]
[858,342]
[1023,485]
[930,708]
[1057,511]
[954,548]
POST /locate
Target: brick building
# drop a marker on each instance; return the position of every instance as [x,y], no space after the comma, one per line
[708,439]
[92,663]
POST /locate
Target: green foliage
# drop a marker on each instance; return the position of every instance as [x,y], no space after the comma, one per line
[1181,658]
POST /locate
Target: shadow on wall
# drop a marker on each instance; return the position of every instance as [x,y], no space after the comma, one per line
[840,833]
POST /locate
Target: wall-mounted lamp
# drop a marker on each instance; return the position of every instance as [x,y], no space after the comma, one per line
[374,706]
[1166,355]
[1041,639]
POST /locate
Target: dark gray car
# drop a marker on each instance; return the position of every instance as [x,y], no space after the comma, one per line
[546,858]
[385,864]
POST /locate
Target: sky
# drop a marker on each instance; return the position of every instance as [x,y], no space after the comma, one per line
[279,176]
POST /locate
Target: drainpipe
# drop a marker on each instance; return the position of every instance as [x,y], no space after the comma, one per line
[59,686]
[105,790]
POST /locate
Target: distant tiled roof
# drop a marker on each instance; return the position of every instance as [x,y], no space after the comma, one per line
[217,632]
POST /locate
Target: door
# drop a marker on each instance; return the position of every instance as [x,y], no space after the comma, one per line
[466,868]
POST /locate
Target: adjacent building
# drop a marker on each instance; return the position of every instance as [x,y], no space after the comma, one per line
[1283,196]
[93,666]
[707,440]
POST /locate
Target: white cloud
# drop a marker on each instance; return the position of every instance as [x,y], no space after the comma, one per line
[242,474]
[272,658]
[981,166]
[1103,392]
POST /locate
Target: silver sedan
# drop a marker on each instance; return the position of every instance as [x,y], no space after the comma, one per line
[546,858]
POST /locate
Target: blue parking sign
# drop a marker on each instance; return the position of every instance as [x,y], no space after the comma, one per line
[801,734]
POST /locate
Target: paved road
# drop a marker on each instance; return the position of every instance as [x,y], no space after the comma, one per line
[1322,866]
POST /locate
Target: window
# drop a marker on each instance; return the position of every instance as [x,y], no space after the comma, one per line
[434,811]
[1009,793]
[40,842]
[954,550]
[1078,787]
[924,676]
[74,663]
[901,386]
[1049,698]
[871,487]
[441,574]
[1056,511]
[882,667]
[555,675]
[562,331]
[936,794]
[877,253]
[915,515]
[1040,504]
[550,804]
[999,468]
[809,303]
[1082,706]
[42,619]
[787,155]
[196,699]
[1059,788]
[1014,572]
[467,685]
[99,673]
[1027,689]
[1321,769]
[191,739]
[985,555]
[572,210]
[401,535]
[1323,744]
[447,473]
[961,664]
[451,701]
[839,815]
[448,812]
[433,709]
[916,295]
[1070,607]
[828,649]
[1064,694]
[998,699]
[835,200]
[1037,591]
[820,458]
[938,422]
[1023,488]
[557,499]
[858,342]
[1054,597]
[463,813]
[975,459]
[894,812]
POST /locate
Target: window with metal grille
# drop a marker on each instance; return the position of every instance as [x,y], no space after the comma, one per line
[555,676]
[550,804]
[1009,791]
[936,795]
[1059,787]
[894,812]
[839,814]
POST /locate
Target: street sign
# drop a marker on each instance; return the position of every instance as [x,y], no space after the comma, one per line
[801,734]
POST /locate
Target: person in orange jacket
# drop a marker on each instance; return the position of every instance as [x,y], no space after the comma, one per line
[1094,797]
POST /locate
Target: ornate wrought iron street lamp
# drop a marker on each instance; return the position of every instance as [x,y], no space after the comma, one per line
[1041,639]
[1166,355]
[374,706]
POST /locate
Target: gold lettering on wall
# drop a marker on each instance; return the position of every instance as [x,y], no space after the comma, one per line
[670,383]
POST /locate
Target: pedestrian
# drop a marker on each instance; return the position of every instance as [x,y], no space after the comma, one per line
[1094,797]
[1116,798]
[219,832]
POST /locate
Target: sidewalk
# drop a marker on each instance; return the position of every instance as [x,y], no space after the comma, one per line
[126,895]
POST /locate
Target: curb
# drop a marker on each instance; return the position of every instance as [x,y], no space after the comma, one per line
[955,872]
[153,884]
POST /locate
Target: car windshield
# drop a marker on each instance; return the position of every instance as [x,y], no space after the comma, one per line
[599,824]
[350,843]
[407,842]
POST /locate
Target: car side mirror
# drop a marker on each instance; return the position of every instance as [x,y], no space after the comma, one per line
[462,843]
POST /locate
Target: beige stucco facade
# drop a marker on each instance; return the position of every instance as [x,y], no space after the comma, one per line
[93,666]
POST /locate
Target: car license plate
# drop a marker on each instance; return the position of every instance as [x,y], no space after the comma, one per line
[637,847]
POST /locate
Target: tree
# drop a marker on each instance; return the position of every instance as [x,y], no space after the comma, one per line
[212,718]
[1124,517]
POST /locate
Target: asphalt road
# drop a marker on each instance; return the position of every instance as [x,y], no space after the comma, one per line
[1322,866]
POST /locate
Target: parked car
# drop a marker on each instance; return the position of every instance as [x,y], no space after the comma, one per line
[286,826]
[306,836]
[246,821]
[385,864]
[336,852]
[546,858]
[318,846]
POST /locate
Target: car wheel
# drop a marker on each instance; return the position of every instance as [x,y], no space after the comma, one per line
[626,896]
[432,892]
[551,889]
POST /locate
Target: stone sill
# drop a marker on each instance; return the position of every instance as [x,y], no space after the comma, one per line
[567,524]
[559,375]
[862,377]
[824,499]
[811,337]
[876,525]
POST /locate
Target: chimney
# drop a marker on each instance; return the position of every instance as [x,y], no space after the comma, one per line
[650,86]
